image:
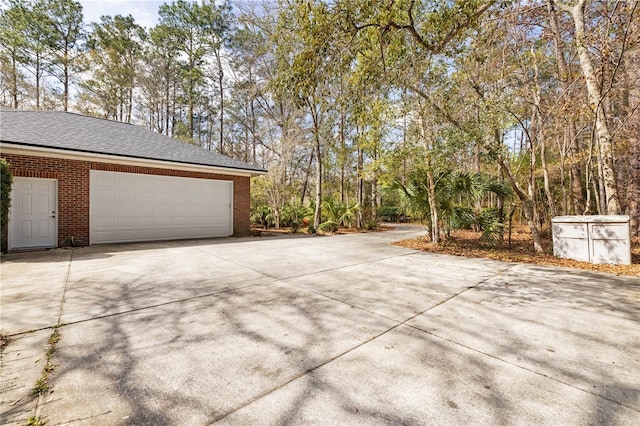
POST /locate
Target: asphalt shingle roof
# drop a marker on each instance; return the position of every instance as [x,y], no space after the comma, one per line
[79,133]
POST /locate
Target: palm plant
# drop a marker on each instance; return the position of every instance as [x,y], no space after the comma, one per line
[293,214]
[338,213]
[263,215]
[455,192]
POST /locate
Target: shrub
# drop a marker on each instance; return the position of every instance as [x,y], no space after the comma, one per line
[338,212]
[491,226]
[262,215]
[328,226]
[371,225]
[389,213]
[294,215]
[462,217]
[5,200]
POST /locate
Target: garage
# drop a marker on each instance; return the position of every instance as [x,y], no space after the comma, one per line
[83,180]
[137,207]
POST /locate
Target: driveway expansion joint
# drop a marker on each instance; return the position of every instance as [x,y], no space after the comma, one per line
[157,305]
[522,367]
[322,364]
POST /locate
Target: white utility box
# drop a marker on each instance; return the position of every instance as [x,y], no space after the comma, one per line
[595,239]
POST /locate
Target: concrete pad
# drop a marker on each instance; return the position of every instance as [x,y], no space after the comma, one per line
[21,364]
[31,289]
[579,328]
[292,257]
[190,362]
[129,277]
[418,282]
[409,377]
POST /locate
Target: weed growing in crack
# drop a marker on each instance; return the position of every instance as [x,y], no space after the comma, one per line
[35,421]
[4,341]
[42,384]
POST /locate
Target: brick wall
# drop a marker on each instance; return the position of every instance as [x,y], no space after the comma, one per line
[73,190]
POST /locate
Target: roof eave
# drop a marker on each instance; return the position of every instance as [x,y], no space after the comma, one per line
[9,147]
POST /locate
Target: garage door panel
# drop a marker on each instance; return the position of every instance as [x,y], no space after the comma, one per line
[178,220]
[162,197]
[144,234]
[102,235]
[104,222]
[143,221]
[135,207]
[104,195]
[144,195]
[125,235]
[168,233]
[123,222]
[144,182]
[161,221]
[103,179]
[123,181]
[143,209]
[179,209]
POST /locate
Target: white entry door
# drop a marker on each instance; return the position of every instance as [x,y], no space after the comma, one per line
[33,213]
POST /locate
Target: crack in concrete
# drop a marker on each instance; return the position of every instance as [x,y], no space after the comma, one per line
[53,341]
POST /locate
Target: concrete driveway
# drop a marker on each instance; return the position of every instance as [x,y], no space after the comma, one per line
[314,330]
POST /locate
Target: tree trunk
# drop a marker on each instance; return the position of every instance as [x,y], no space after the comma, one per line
[130,100]
[15,82]
[539,137]
[545,174]
[317,216]
[253,122]
[527,207]
[563,185]
[167,99]
[360,194]
[190,109]
[633,191]
[342,153]
[633,187]
[374,189]
[65,98]
[221,88]
[305,184]
[602,134]
[433,206]
[577,191]
[501,207]
[38,71]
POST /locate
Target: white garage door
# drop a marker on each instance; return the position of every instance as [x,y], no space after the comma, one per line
[135,207]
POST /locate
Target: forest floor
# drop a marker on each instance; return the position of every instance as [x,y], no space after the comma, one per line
[467,243]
